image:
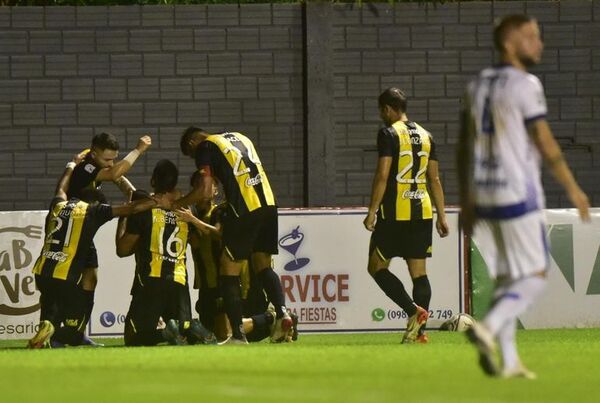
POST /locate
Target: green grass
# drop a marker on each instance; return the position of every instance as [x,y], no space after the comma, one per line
[318,368]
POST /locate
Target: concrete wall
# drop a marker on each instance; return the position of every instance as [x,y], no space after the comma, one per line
[67,73]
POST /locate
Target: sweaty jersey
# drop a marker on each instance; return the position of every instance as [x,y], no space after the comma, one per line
[507,165]
[232,159]
[70,229]
[84,177]
[160,250]
[411,147]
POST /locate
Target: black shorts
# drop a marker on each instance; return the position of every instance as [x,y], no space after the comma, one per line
[91,260]
[256,231]
[406,239]
[154,298]
[62,301]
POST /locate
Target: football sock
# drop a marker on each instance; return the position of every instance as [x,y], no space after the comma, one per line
[422,291]
[508,347]
[272,287]
[421,295]
[394,289]
[512,300]
[232,301]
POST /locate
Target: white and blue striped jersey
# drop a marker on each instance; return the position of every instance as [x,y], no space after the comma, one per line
[507,165]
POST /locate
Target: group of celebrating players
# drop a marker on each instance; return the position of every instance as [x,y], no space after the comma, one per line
[240,296]
[503,139]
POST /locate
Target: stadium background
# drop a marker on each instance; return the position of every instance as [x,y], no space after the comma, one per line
[69,72]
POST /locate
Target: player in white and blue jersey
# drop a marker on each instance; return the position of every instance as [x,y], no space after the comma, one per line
[504,139]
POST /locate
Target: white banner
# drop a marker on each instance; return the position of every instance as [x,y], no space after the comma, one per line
[572,294]
[322,263]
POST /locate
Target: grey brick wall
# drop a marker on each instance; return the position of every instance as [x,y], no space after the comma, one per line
[431,51]
[67,73]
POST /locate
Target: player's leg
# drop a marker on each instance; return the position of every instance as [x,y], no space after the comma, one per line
[391,285]
[89,280]
[232,297]
[192,329]
[421,292]
[264,246]
[73,306]
[48,308]
[147,305]
[522,261]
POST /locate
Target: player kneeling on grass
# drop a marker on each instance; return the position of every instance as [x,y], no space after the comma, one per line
[159,240]
[70,228]
[258,322]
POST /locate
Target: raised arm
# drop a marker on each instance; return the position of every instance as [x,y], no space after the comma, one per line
[120,168]
[133,207]
[201,194]
[378,190]
[63,183]
[545,142]
[125,186]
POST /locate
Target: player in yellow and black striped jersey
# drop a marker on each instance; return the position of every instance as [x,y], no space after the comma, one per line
[99,165]
[159,240]
[206,248]
[70,228]
[250,227]
[400,212]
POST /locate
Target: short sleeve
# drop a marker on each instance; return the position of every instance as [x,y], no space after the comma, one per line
[54,202]
[532,100]
[102,214]
[83,174]
[385,143]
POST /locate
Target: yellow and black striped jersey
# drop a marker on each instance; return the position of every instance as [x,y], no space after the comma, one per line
[406,196]
[232,159]
[84,177]
[161,248]
[70,229]
[208,251]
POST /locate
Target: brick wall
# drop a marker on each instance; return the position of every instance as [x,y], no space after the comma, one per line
[67,73]
[431,51]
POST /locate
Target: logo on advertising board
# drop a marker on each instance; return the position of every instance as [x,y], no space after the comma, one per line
[109,319]
[291,242]
[312,295]
[377,315]
[16,261]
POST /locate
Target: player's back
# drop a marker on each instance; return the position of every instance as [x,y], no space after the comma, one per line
[162,245]
[239,169]
[70,229]
[506,162]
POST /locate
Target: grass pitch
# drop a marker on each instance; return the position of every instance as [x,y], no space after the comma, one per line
[318,368]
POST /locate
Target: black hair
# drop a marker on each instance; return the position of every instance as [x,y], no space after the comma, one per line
[505,26]
[394,98]
[92,196]
[105,141]
[187,135]
[164,176]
